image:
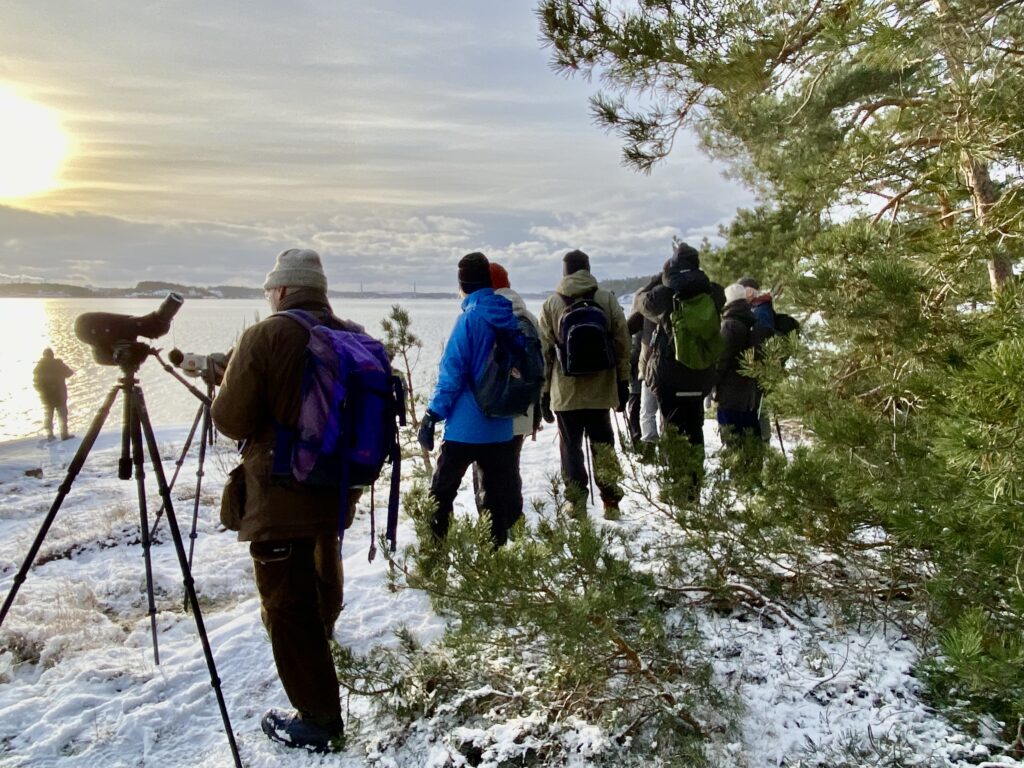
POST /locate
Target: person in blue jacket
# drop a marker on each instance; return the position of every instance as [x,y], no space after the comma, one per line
[469,435]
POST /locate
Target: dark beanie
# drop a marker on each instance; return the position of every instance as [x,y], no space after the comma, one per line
[474,272]
[685,257]
[574,261]
[749,282]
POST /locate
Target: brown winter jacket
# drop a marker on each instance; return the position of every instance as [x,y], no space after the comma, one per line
[598,390]
[261,386]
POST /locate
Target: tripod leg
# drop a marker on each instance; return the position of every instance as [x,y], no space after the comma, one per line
[206,433]
[177,467]
[186,572]
[135,430]
[65,487]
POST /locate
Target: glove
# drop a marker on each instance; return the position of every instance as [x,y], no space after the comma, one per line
[545,408]
[426,433]
[623,396]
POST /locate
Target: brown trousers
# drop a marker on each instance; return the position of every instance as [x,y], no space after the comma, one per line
[300,582]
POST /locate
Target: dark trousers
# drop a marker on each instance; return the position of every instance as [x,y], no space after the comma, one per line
[483,502]
[573,426]
[499,479]
[300,586]
[686,414]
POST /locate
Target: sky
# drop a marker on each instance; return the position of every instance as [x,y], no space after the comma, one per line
[393,137]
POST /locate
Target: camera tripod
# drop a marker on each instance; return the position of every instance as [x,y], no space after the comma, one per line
[129,355]
[204,423]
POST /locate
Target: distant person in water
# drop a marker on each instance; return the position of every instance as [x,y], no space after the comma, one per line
[50,380]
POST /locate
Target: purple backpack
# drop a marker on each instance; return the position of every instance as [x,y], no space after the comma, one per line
[352,406]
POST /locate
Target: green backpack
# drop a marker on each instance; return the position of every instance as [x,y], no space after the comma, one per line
[695,330]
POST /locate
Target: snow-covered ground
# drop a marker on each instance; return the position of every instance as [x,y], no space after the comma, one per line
[79,686]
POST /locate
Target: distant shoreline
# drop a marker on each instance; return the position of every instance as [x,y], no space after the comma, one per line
[159,290]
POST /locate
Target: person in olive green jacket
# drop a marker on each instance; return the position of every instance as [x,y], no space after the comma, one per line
[581,403]
[293,532]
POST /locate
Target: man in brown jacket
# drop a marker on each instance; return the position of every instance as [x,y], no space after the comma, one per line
[293,531]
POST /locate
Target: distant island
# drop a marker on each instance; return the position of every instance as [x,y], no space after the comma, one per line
[157,288]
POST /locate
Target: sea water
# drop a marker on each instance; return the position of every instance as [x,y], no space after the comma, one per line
[202,326]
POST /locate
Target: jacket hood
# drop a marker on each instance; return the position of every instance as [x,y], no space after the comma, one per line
[494,309]
[577,284]
[684,281]
[305,298]
[518,305]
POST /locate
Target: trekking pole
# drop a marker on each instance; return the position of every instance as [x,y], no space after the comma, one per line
[778,432]
[590,466]
[621,428]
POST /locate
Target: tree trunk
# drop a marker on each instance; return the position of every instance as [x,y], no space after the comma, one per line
[983,197]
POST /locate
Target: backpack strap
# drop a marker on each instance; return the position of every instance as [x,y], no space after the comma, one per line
[284,437]
[396,464]
[395,459]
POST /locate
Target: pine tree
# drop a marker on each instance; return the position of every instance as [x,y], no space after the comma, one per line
[884,139]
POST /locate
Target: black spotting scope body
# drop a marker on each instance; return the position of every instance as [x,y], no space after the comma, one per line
[102,330]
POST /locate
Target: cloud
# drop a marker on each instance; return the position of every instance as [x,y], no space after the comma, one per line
[392,136]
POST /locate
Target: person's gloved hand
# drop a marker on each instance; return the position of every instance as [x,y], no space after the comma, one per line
[545,408]
[623,396]
[426,433]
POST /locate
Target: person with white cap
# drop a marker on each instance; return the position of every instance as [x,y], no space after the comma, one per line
[737,394]
[293,531]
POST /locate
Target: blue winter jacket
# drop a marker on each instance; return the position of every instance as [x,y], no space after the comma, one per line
[463,362]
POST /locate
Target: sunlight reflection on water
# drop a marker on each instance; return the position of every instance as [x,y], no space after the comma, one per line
[201,326]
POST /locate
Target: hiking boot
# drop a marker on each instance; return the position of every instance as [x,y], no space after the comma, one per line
[292,730]
[612,511]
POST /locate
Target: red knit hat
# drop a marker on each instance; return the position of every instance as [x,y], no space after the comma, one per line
[499,276]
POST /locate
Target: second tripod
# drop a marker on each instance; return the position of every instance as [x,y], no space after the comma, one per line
[204,424]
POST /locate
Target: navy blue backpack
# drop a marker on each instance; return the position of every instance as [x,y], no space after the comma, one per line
[584,338]
[514,375]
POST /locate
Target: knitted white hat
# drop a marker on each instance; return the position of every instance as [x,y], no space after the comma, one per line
[734,292]
[297,268]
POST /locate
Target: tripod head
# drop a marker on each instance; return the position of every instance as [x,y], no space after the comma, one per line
[129,355]
[105,331]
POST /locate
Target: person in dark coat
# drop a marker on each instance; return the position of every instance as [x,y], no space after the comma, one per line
[471,436]
[737,395]
[50,379]
[293,531]
[680,390]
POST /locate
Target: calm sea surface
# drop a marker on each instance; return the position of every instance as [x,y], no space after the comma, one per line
[201,326]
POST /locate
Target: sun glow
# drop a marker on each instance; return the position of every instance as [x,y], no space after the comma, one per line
[33,147]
